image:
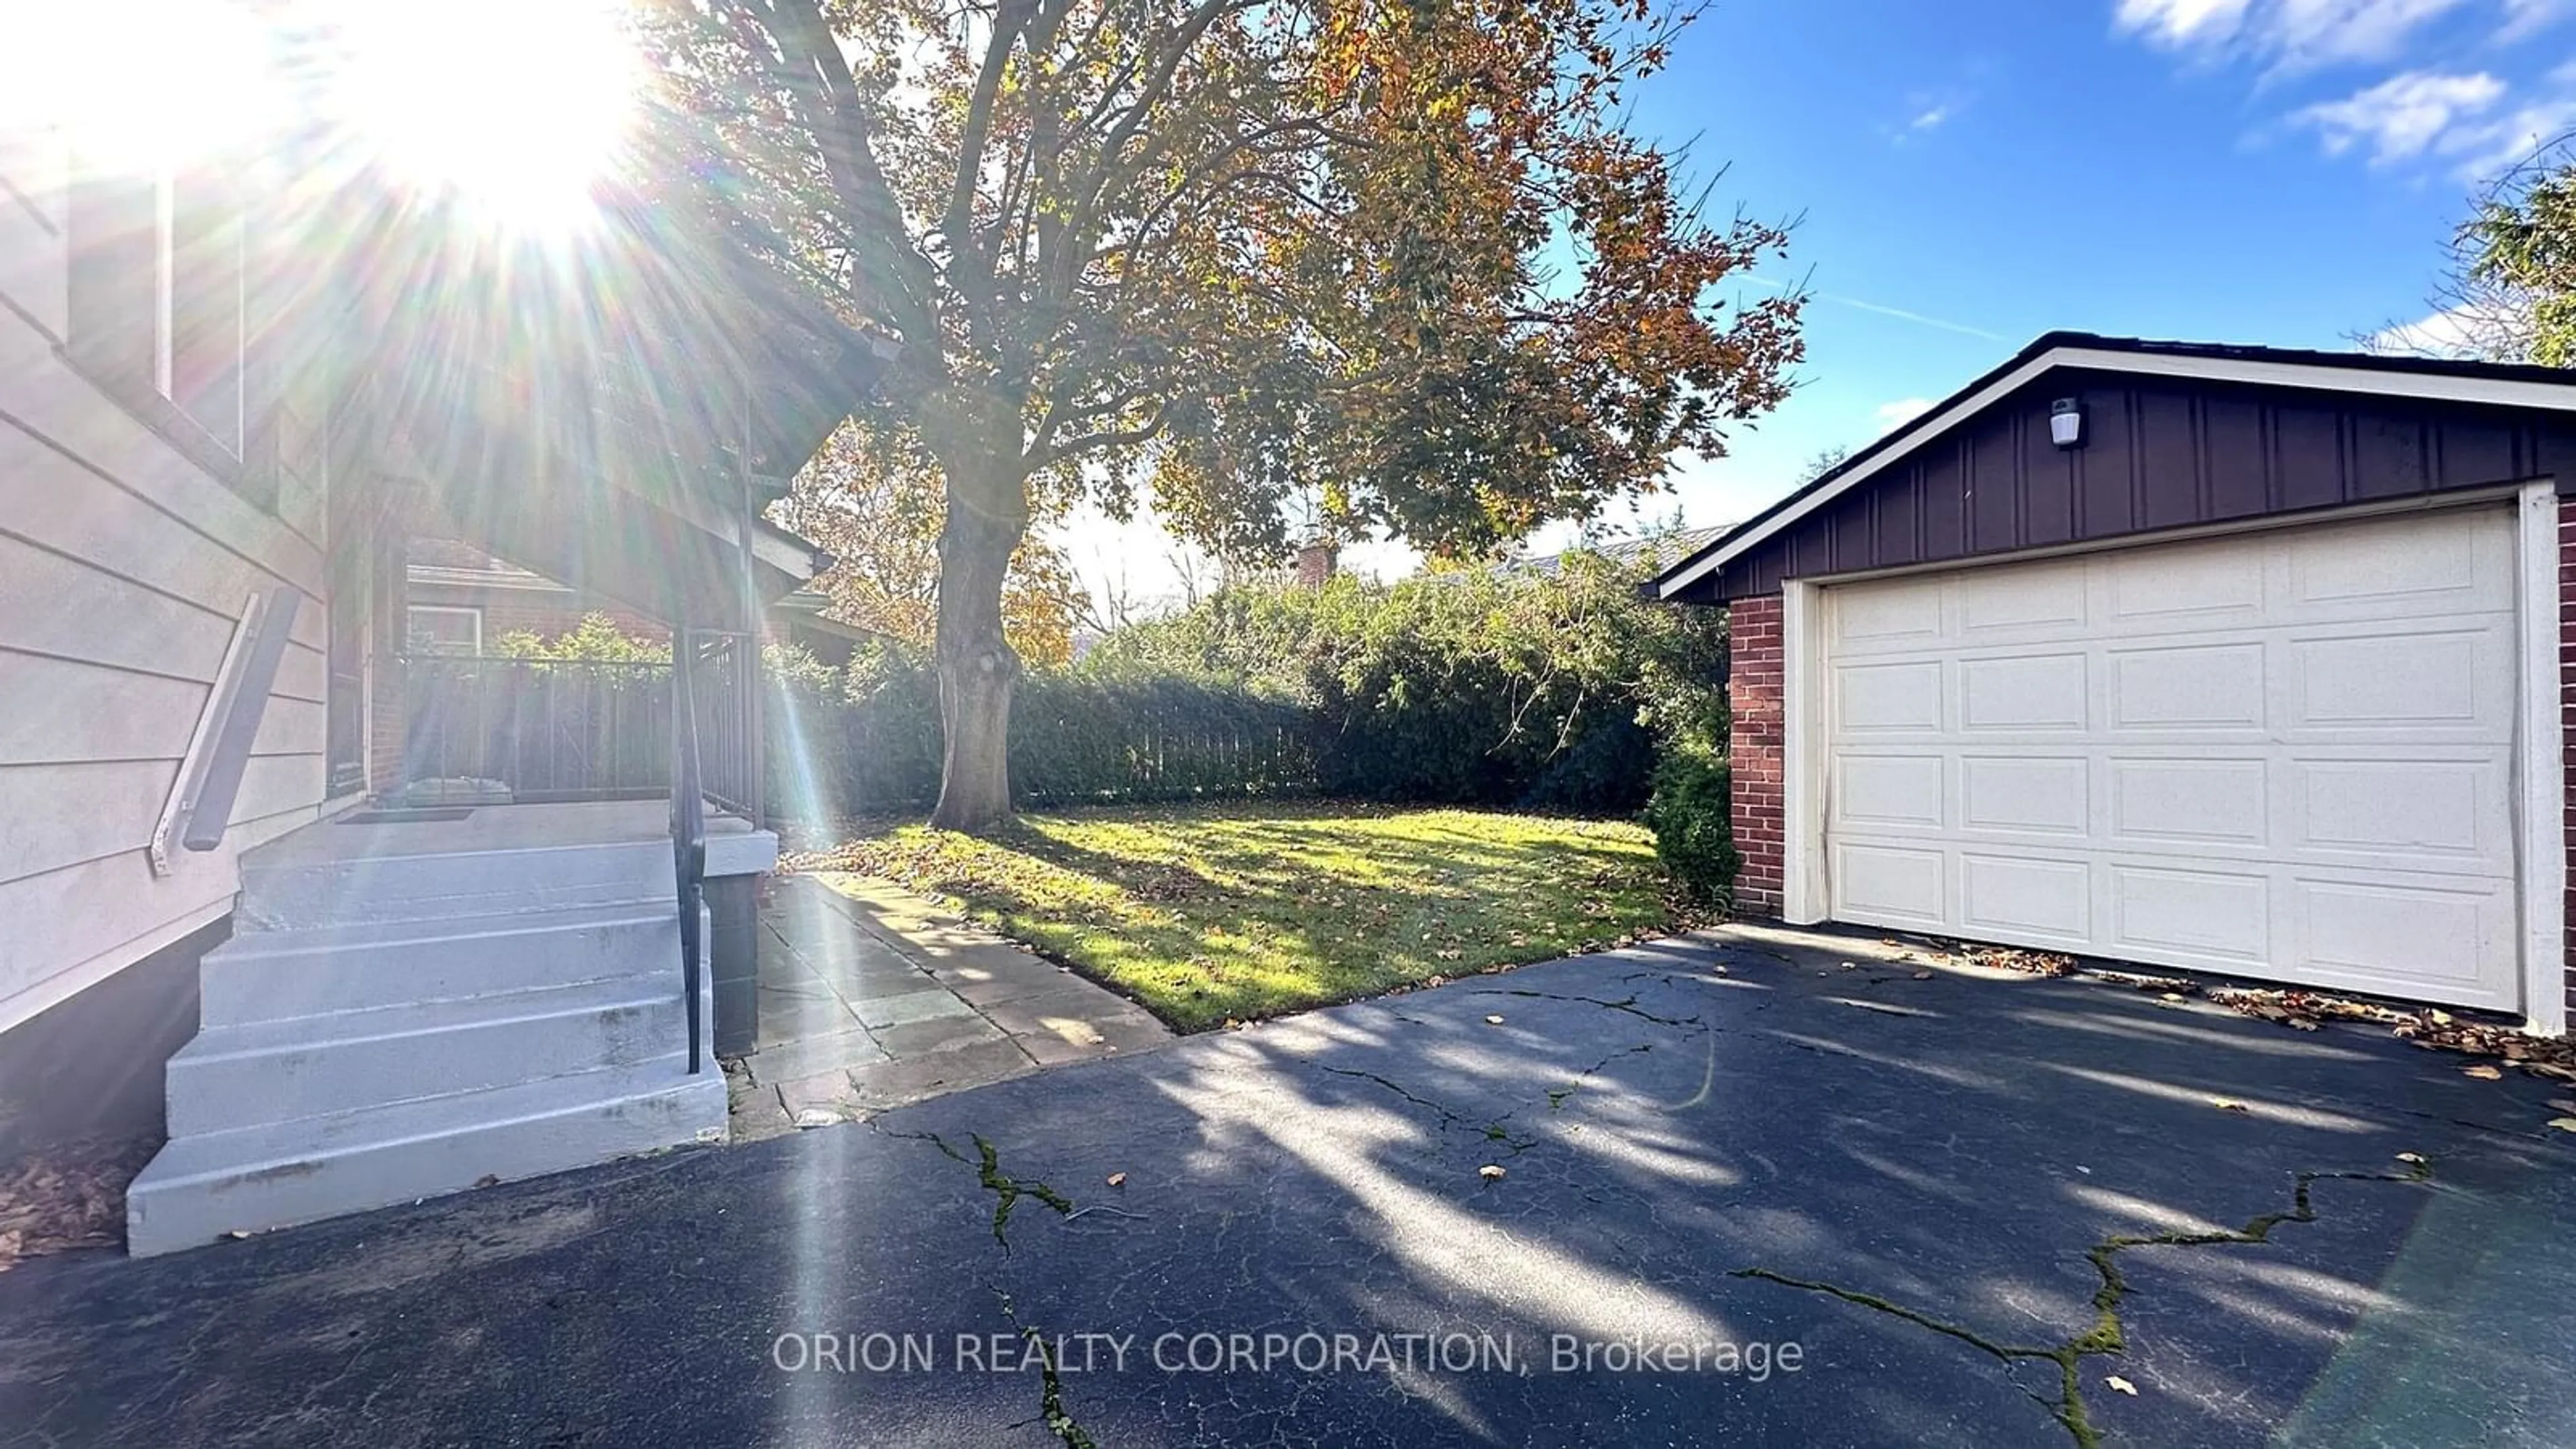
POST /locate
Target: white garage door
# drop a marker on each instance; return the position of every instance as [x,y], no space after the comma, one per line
[2285,755]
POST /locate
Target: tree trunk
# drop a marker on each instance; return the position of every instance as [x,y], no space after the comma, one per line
[987,514]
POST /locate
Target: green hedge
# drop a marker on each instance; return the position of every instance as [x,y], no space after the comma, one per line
[1074,740]
[1552,690]
[1563,690]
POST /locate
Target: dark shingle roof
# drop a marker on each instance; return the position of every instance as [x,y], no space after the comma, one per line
[1667,548]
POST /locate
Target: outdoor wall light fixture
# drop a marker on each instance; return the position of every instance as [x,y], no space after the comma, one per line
[2066,423]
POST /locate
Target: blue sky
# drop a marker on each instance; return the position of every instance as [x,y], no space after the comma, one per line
[1971,174]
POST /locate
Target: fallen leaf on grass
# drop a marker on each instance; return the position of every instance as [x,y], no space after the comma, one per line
[1117,1179]
[1490,1172]
[2482,1072]
[2123,1385]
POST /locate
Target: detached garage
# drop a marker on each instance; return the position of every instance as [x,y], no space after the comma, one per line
[2235,659]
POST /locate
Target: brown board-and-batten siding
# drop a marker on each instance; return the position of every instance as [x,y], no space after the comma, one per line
[2159,454]
[123,568]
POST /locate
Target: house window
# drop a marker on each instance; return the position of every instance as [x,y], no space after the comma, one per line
[442,629]
[198,326]
[161,310]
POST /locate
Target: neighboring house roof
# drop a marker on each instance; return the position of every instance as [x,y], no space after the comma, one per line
[452,564]
[2421,379]
[1675,544]
[807,606]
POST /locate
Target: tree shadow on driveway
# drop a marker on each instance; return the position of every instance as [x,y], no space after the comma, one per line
[1307,1245]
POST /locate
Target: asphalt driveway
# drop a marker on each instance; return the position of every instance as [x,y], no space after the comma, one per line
[1745,1195]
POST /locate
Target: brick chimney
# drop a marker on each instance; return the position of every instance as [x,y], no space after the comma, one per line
[1315,560]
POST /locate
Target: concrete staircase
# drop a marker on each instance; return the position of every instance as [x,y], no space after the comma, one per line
[380,1030]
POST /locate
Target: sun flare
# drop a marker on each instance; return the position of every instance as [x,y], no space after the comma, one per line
[514,108]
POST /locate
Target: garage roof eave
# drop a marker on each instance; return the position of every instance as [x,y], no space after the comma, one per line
[2428,379]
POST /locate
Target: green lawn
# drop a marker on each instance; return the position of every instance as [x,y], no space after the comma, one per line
[1209,914]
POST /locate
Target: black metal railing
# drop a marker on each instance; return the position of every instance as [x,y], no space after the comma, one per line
[689,844]
[550,729]
[583,729]
[721,686]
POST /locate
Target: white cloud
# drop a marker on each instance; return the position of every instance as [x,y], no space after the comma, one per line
[2526,18]
[2403,116]
[1931,117]
[1894,415]
[2461,119]
[2445,333]
[2288,34]
[2179,23]
[2483,151]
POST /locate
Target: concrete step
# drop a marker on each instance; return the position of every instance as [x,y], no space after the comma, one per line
[232,1077]
[205,1187]
[287,892]
[278,975]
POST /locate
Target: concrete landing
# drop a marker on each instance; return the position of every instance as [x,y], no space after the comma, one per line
[871,997]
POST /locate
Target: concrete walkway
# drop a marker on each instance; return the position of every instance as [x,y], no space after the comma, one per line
[871,997]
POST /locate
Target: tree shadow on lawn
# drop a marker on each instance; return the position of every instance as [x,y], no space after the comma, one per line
[1278,916]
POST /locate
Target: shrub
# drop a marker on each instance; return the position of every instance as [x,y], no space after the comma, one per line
[1555,690]
[1694,836]
[1548,690]
[597,639]
[873,745]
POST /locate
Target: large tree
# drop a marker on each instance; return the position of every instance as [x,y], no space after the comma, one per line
[1397,260]
[880,518]
[2519,248]
[2507,290]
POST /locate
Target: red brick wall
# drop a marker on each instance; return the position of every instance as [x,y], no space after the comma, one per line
[1754,749]
[2567,719]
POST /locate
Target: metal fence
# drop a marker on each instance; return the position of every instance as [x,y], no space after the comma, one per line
[721,688]
[550,729]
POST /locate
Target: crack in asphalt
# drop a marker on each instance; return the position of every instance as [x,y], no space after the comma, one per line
[2107,1336]
[1493,1131]
[1007,1190]
[1556,1095]
[1627,1004]
[1449,1116]
[1058,1419]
